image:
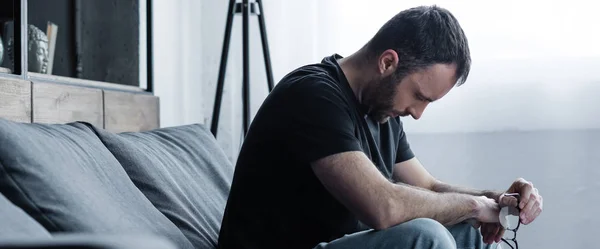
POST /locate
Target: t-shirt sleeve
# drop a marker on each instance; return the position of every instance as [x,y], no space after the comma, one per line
[321,123]
[404,151]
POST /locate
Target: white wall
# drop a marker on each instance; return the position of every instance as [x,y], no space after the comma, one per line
[533,62]
[188,38]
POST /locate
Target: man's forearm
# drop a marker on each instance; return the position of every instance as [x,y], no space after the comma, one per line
[378,203]
[442,187]
[446,208]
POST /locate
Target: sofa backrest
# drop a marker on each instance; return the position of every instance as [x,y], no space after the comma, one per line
[182,171]
[67,180]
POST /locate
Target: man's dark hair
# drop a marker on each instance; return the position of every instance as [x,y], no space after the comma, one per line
[423,36]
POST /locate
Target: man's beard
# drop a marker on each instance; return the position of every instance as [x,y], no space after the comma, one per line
[379,97]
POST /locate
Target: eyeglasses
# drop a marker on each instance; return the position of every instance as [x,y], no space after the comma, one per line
[510,220]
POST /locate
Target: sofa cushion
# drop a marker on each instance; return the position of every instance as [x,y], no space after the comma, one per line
[184,173]
[14,222]
[64,177]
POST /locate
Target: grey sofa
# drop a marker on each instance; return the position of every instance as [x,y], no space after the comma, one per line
[77,186]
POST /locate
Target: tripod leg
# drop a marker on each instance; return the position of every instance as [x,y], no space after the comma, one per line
[265,44]
[222,68]
[246,66]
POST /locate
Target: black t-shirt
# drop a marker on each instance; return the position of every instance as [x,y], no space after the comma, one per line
[276,201]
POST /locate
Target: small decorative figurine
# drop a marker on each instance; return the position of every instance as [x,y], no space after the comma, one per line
[37,50]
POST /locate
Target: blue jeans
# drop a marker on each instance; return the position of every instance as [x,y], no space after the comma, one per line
[415,234]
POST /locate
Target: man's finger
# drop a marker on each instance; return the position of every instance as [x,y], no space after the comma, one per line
[499,234]
[510,201]
[493,230]
[526,190]
[531,214]
[486,237]
[526,211]
[496,231]
[485,232]
[538,212]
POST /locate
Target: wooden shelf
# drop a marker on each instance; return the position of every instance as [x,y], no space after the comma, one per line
[118,111]
[6,73]
[38,77]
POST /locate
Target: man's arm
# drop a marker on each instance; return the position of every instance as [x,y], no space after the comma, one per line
[356,183]
[442,187]
[412,172]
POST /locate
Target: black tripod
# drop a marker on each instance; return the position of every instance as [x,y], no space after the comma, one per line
[245,8]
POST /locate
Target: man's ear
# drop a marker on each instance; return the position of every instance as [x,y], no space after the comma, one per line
[388,62]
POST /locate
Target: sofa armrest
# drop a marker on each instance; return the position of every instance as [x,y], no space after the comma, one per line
[88,241]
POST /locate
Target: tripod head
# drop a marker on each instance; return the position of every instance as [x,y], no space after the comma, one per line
[252,5]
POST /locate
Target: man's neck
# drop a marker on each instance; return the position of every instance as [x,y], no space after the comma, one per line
[354,74]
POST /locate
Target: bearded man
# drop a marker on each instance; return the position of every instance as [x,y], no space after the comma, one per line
[326,162]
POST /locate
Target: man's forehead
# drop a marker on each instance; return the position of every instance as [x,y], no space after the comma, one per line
[435,82]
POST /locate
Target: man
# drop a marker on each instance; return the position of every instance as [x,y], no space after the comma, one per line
[326,163]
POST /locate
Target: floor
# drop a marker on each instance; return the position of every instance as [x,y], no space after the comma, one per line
[563,165]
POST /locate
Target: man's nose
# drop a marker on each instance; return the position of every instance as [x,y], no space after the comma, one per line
[416,114]
[417,111]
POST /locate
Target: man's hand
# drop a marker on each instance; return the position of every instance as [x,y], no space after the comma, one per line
[491,232]
[488,210]
[531,202]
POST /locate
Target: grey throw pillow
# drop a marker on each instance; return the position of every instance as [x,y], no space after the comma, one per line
[64,177]
[184,173]
[15,223]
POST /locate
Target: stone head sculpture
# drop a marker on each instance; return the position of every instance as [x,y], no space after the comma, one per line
[37,47]
[37,50]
